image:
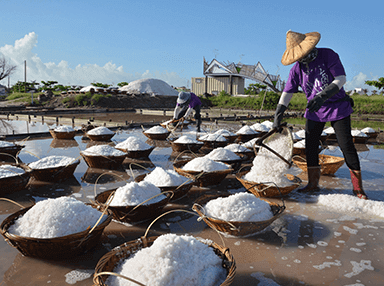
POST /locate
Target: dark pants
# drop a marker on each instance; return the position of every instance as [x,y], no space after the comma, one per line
[342,127]
[198,116]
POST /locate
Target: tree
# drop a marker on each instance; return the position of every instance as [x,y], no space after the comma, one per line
[6,69]
[376,83]
[123,83]
[99,84]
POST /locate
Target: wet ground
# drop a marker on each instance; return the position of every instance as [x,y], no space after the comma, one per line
[308,245]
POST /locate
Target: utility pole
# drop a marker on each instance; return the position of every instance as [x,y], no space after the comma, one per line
[25,76]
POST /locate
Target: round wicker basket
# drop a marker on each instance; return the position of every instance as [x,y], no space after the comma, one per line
[15,183]
[235,228]
[231,138]
[360,139]
[135,154]
[180,147]
[262,190]
[9,153]
[246,137]
[103,161]
[213,144]
[52,248]
[111,259]
[178,191]
[101,137]
[131,214]
[329,164]
[55,173]
[62,135]
[157,136]
[203,179]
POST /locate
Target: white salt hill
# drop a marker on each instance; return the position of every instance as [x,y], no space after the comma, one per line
[241,207]
[172,260]
[156,130]
[224,132]
[165,178]
[246,130]
[368,130]
[133,194]
[103,150]
[56,218]
[53,161]
[204,164]
[222,154]
[150,86]
[358,133]
[132,143]
[101,130]
[351,204]
[329,130]
[64,128]
[6,144]
[260,127]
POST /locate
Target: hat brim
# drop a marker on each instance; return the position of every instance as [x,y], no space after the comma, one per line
[301,50]
[181,101]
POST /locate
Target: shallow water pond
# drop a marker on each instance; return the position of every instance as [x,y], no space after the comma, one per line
[309,244]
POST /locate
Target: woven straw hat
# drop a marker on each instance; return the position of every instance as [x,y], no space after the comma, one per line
[298,46]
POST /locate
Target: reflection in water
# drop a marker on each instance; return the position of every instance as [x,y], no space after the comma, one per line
[8,127]
[64,143]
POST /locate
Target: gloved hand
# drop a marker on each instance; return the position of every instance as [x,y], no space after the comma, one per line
[315,103]
[278,115]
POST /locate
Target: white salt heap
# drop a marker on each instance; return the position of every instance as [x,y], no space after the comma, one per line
[299,144]
[237,148]
[6,144]
[246,130]
[52,162]
[185,139]
[56,218]
[267,167]
[222,154]
[244,207]
[102,150]
[260,127]
[224,132]
[213,137]
[64,128]
[100,131]
[358,133]
[300,133]
[7,171]
[268,124]
[165,178]
[351,204]
[250,143]
[134,193]
[329,130]
[296,137]
[150,86]
[204,164]
[172,260]
[133,143]
[156,130]
[368,130]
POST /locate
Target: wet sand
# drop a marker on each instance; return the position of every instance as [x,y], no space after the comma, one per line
[308,245]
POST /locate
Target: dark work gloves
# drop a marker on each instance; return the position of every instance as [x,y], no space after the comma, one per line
[278,115]
[315,103]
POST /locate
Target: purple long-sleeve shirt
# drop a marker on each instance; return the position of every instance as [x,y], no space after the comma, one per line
[314,78]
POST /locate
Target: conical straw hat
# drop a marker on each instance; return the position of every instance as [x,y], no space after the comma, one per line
[298,46]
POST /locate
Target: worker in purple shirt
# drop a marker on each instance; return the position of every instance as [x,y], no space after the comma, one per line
[186,103]
[321,75]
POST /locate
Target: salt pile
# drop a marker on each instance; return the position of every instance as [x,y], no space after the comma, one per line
[7,171]
[185,139]
[64,129]
[211,137]
[204,164]
[260,127]
[102,150]
[237,148]
[224,132]
[6,144]
[358,133]
[55,218]
[222,154]
[300,133]
[267,167]
[133,194]
[299,144]
[246,130]
[295,137]
[100,131]
[172,260]
[52,162]
[150,86]
[268,124]
[244,207]
[352,204]
[368,130]
[133,143]
[329,130]
[156,130]
[249,144]
[165,178]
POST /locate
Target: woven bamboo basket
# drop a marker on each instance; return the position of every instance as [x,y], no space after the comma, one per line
[53,248]
[132,214]
[137,153]
[157,136]
[231,138]
[235,164]
[236,228]
[262,190]
[15,183]
[213,144]
[372,135]
[180,147]
[178,191]
[328,164]
[103,161]
[246,137]
[202,179]
[111,259]
[62,135]
[55,173]
[9,153]
[101,137]
[360,139]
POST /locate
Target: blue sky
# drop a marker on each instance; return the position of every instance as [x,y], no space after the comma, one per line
[79,42]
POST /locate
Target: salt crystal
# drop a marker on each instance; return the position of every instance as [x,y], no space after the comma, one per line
[204,164]
[133,143]
[64,129]
[52,162]
[165,178]
[102,150]
[246,130]
[222,154]
[7,171]
[100,131]
[156,130]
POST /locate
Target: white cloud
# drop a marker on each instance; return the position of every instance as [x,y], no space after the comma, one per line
[80,75]
[358,81]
